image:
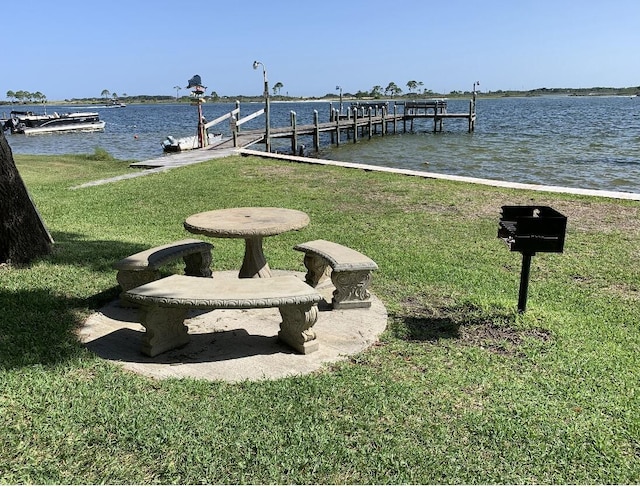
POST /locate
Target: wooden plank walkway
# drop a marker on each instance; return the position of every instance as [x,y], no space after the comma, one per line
[244,139]
[184,158]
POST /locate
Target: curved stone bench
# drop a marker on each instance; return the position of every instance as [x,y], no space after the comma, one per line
[351,274]
[163,306]
[143,267]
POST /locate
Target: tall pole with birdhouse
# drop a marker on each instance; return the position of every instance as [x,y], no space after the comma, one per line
[197,98]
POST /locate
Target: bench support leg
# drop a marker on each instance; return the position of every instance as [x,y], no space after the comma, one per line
[165,329]
[198,264]
[130,279]
[351,289]
[295,329]
[317,269]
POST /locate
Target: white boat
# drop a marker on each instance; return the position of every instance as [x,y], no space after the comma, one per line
[30,123]
[171,144]
[115,105]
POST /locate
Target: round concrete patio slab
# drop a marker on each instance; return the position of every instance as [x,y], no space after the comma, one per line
[234,345]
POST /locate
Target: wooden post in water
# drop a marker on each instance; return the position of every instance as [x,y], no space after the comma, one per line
[355,126]
[370,124]
[332,118]
[405,112]
[472,116]
[337,131]
[395,119]
[316,134]
[412,112]
[294,134]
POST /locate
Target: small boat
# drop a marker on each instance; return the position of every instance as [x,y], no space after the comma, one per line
[171,144]
[30,123]
[115,103]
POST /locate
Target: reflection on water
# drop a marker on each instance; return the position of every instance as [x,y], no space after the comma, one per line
[587,142]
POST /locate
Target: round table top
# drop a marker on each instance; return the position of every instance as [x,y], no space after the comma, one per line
[246,222]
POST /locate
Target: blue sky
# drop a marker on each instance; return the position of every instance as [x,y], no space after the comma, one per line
[77,48]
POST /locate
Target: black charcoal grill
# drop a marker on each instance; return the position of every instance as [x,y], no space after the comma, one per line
[531,229]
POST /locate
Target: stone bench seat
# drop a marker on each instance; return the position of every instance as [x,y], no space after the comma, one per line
[351,272]
[163,306]
[143,267]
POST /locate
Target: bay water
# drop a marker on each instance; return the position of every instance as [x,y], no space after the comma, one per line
[581,142]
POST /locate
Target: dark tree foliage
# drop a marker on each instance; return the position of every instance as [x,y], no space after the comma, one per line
[23,235]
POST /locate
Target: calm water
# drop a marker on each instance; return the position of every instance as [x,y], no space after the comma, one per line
[582,142]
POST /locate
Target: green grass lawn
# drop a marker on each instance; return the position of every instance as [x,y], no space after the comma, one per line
[461,388]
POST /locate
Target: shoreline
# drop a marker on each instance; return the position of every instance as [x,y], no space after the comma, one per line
[623,195]
[166,163]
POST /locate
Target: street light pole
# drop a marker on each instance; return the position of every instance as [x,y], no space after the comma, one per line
[267,131]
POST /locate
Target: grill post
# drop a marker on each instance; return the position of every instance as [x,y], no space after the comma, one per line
[524,281]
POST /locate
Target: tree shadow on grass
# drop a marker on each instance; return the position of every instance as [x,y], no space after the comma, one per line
[97,255]
[37,328]
[38,325]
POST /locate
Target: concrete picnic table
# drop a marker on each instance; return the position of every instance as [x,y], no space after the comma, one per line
[252,224]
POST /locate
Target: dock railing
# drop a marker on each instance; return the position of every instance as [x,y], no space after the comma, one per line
[235,123]
[423,106]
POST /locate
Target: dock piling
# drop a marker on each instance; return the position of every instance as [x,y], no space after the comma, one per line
[294,136]
[316,134]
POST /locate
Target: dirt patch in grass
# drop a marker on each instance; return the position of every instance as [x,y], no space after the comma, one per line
[624,291]
[493,331]
[500,339]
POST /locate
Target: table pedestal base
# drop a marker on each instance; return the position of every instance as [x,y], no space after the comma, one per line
[254,263]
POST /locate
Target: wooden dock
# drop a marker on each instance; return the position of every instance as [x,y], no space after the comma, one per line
[362,120]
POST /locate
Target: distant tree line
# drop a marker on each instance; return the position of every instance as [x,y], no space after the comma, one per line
[23,96]
[415,88]
[393,90]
